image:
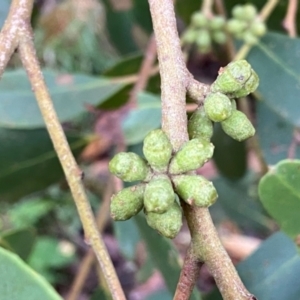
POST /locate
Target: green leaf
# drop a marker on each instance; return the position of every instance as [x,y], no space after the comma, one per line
[49,253]
[128,237]
[20,282]
[275,133]
[272,272]
[70,94]
[230,156]
[29,211]
[163,254]
[142,119]
[160,295]
[28,161]
[141,14]
[276,62]
[119,23]
[20,241]
[279,191]
[4,8]
[239,201]
[129,64]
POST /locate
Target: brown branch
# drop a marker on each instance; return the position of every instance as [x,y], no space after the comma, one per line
[188,276]
[89,258]
[17,32]
[145,70]
[19,15]
[173,72]
[289,21]
[205,246]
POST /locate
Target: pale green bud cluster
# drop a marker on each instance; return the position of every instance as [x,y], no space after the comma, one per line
[236,80]
[203,31]
[245,24]
[163,176]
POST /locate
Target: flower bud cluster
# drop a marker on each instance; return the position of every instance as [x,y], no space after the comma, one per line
[236,80]
[163,179]
[204,31]
[245,24]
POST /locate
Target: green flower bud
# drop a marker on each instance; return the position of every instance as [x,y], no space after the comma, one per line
[249,87]
[246,12]
[219,37]
[217,107]
[127,203]
[250,39]
[129,167]
[159,194]
[157,149]
[236,26]
[250,12]
[233,77]
[195,190]
[203,38]
[167,224]
[238,12]
[217,23]
[258,28]
[199,19]
[193,155]
[200,126]
[238,126]
[190,36]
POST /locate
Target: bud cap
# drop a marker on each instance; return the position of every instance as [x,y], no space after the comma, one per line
[238,126]
[127,203]
[193,155]
[159,194]
[167,224]
[128,166]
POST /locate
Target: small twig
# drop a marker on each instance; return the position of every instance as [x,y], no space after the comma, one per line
[145,71]
[289,21]
[188,275]
[89,258]
[263,16]
[206,8]
[230,49]
[197,90]
[19,13]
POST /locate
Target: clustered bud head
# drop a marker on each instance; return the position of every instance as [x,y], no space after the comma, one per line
[237,79]
[246,24]
[157,150]
[129,167]
[167,224]
[159,194]
[127,203]
[238,126]
[195,190]
[200,126]
[193,155]
[203,31]
[164,173]
[217,106]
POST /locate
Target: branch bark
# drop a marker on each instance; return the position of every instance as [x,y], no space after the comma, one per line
[175,80]
[17,33]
